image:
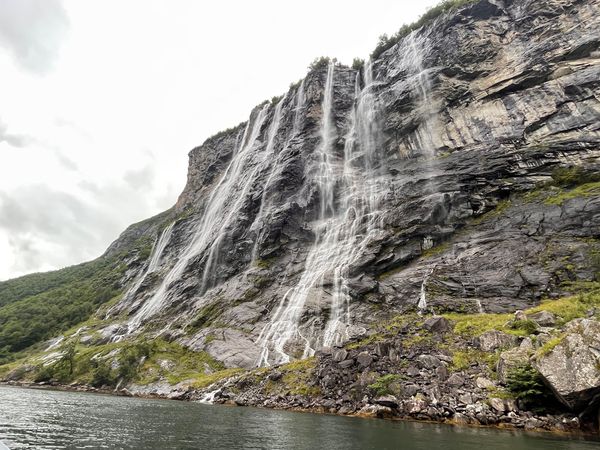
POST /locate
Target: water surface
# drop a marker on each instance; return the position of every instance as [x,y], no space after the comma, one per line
[45,419]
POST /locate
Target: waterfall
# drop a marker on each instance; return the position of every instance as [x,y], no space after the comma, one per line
[264,200]
[300,101]
[221,208]
[342,230]
[422,305]
[209,397]
[159,248]
[418,78]
[155,258]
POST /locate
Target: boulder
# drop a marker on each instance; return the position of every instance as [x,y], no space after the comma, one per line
[543,318]
[455,380]
[503,405]
[410,389]
[441,372]
[484,383]
[275,376]
[387,400]
[428,361]
[520,315]
[437,324]
[346,363]
[494,340]
[340,355]
[572,367]
[375,411]
[364,359]
[510,359]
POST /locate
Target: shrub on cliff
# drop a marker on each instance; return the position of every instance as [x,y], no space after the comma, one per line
[386,42]
[321,63]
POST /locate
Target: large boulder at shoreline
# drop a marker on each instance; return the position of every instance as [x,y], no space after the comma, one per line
[572,367]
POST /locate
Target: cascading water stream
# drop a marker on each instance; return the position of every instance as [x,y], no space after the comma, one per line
[222,206]
[414,50]
[159,248]
[273,129]
[342,232]
[155,259]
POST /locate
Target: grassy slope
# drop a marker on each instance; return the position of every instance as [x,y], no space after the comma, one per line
[37,307]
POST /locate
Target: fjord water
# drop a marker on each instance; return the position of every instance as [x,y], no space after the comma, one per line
[44,419]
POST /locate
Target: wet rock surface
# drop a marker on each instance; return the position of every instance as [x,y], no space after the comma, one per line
[572,366]
[513,92]
[469,119]
[409,386]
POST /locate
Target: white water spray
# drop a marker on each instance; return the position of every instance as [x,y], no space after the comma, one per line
[422,305]
[222,207]
[155,259]
[414,51]
[342,230]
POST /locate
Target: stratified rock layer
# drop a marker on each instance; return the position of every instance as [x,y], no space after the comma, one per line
[469,114]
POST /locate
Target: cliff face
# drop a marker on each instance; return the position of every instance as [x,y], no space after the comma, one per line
[359,195]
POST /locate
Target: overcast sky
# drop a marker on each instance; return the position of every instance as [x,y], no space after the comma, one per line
[102,100]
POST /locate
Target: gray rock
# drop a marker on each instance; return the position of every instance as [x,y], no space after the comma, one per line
[520,315]
[382,349]
[364,359]
[494,340]
[466,399]
[437,324]
[340,354]
[410,389]
[484,383]
[428,362]
[387,400]
[441,372]
[412,371]
[275,376]
[543,318]
[502,405]
[455,380]
[346,363]
[571,367]
[511,359]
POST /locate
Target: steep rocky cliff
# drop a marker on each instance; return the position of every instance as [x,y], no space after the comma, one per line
[336,205]
[456,172]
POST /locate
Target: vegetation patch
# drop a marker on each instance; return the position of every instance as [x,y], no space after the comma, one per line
[547,348]
[582,191]
[566,309]
[205,380]
[436,250]
[527,386]
[38,317]
[176,363]
[205,316]
[501,206]
[387,384]
[462,359]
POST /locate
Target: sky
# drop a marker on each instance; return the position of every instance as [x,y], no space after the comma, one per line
[101,101]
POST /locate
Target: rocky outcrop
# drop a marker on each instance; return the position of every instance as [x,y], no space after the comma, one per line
[464,117]
[572,366]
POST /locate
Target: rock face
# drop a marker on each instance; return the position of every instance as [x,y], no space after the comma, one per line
[572,368]
[339,204]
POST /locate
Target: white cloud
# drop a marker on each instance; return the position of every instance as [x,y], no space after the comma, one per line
[33,30]
[102,100]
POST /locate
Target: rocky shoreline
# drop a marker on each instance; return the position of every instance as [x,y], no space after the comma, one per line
[294,404]
[419,369]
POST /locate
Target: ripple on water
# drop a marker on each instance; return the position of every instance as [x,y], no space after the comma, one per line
[44,419]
